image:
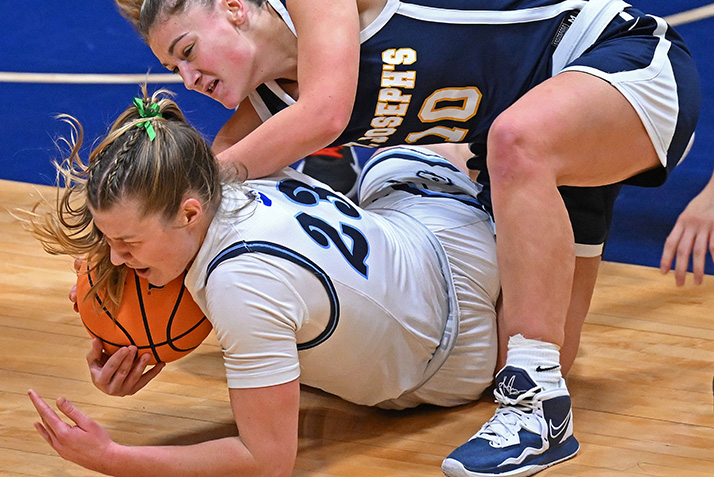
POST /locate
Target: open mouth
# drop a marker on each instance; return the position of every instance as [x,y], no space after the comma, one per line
[142,272]
[212,86]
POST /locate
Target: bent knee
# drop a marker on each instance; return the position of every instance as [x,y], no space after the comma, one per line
[519,151]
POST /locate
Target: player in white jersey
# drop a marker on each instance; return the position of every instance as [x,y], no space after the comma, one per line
[292,236]
[389,304]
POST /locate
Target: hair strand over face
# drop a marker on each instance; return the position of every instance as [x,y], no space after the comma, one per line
[126,164]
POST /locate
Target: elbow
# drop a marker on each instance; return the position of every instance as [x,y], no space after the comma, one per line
[328,119]
[276,468]
[275,461]
[219,146]
[333,124]
[260,468]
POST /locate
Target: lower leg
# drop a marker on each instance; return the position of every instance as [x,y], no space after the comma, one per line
[536,258]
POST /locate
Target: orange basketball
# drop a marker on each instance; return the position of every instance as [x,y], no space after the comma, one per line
[163,321]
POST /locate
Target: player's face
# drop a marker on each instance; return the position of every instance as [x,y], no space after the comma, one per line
[209,51]
[157,249]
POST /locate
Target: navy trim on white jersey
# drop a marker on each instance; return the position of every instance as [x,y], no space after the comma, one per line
[275,250]
[403,153]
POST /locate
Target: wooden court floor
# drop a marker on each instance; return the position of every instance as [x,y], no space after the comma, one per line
[641,387]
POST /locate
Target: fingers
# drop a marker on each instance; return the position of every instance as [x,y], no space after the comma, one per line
[73,297]
[136,378]
[684,251]
[96,353]
[43,432]
[148,376]
[77,416]
[123,373]
[670,248]
[683,242]
[699,257]
[109,374]
[79,264]
[51,423]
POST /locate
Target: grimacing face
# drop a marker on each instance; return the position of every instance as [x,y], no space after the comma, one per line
[157,249]
[209,50]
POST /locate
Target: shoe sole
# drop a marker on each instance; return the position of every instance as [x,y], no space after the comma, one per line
[454,468]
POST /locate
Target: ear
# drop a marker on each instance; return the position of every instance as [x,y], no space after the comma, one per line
[235,10]
[190,213]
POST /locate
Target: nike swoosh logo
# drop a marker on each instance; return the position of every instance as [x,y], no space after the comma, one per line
[547,368]
[559,430]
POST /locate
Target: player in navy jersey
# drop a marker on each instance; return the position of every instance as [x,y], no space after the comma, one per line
[560,101]
[301,285]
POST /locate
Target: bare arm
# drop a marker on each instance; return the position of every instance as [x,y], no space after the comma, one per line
[238,126]
[692,236]
[328,65]
[266,418]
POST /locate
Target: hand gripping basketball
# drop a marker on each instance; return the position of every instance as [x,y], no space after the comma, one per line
[163,321]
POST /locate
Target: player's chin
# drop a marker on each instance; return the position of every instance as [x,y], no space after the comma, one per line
[154,277]
[157,278]
[229,101]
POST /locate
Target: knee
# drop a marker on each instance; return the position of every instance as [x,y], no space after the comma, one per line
[518,152]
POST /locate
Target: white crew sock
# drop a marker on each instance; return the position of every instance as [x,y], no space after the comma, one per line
[540,358]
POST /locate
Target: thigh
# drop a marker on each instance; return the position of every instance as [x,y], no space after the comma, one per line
[581,129]
[649,64]
[630,98]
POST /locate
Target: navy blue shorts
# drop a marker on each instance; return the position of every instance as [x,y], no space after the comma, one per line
[648,62]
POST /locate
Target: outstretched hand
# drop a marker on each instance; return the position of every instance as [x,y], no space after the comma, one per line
[121,374]
[86,443]
[692,236]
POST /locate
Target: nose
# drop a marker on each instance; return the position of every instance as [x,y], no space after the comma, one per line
[191,77]
[118,256]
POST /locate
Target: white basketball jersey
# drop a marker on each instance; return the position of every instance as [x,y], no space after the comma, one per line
[298,281]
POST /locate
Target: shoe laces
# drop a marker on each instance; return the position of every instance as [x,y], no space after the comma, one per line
[512,415]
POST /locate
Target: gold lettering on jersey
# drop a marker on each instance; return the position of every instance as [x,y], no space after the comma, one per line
[392,102]
[401,56]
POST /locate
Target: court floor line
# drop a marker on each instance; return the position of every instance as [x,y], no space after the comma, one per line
[688,16]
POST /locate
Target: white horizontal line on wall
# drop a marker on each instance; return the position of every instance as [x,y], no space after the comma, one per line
[87,78]
[688,16]
[691,15]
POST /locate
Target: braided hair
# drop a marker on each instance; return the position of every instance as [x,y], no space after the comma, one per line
[128,163]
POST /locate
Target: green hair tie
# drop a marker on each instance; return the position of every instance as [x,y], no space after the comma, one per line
[152,111]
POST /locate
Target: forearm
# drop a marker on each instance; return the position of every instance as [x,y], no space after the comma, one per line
[283,140]
[227,456]
[267,418]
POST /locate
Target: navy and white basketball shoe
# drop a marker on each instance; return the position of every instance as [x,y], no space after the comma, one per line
[531,430]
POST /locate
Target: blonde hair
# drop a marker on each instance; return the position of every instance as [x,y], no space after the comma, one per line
[131,10]
[126,164]
[144,14]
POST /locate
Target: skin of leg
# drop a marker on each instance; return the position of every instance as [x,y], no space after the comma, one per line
[584,280]
[573,129]
[580,297]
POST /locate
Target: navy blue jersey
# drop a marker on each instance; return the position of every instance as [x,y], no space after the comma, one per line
[436,71]
[442,70]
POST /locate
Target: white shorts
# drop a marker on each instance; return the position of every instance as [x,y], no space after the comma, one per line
[427,187]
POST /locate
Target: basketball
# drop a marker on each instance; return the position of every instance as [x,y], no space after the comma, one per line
[163,321]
